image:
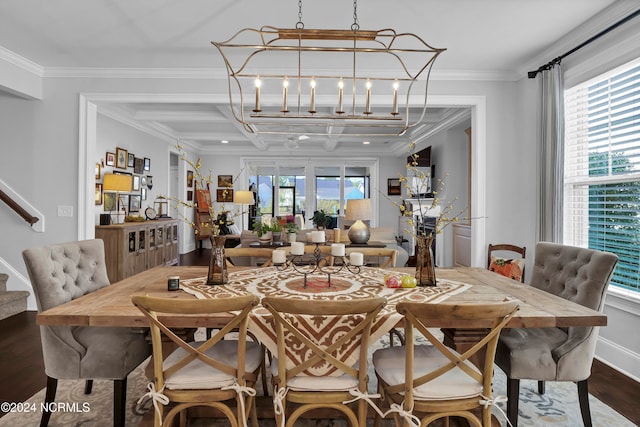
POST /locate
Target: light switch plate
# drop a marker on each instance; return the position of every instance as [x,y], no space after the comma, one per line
[66,211]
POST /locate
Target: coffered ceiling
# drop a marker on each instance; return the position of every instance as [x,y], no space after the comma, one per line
[151,39]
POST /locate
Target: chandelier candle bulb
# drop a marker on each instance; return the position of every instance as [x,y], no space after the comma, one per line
[395,98]
[337,249]
[279,256]
[312,102]
[297,248]
[318,236]
[340,96]
[258,83]
[367,107]
[285,86]
[356,258]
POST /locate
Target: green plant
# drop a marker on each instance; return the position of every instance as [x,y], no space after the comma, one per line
[291,227]
[262,228]
[321,218]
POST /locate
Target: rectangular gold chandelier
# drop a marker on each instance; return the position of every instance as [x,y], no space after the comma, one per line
[281,80]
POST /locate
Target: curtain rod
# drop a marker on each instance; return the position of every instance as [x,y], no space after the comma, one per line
[550,64]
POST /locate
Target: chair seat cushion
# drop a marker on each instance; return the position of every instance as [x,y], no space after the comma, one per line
[320,383]
[199,375]
[527,353]
[455,384]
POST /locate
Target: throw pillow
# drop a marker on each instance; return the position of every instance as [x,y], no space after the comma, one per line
[511,268]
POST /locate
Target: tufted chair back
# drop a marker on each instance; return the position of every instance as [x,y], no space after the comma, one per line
[577,274]
[66,271]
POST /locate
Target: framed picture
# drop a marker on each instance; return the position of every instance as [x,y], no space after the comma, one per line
[123,201]
[110,203]
[97,170]
[134,203]
[149,182]
[225,181]
[98,194]
[136,183]
[131,160]
[393,187]
[138,165]
[189,195]
[143,181]
[111,159]
[147,164]
[189,179]
[122,158]
[224,195]
[143,193]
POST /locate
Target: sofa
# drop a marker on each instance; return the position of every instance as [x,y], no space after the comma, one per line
[385,235]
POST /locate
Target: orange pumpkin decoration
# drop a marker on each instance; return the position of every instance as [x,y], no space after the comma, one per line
[506,267]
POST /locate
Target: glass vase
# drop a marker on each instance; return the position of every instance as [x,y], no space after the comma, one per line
[425,266]
[218,274]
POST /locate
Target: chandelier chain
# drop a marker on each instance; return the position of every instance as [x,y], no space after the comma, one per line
[356,25]
[300,24]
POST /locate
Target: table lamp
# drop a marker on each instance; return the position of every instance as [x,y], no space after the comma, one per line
[118,184]
[243,197]
[359,210]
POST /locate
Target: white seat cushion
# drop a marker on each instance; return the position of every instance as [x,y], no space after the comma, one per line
[199,375]
[389,365]
[309,383]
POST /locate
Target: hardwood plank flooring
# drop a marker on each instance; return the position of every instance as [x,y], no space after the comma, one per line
[22,373]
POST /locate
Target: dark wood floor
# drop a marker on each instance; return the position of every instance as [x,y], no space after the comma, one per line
[22,372]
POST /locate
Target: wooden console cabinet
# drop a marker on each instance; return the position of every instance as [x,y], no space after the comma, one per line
[134,247]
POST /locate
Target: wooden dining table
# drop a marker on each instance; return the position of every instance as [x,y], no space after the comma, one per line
[111,305]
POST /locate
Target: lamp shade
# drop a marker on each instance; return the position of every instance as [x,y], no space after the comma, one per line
[115,182]
[243,197]
[358,209]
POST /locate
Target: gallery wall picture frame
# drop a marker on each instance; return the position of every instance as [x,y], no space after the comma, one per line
[136,183]
[132,158]
[224,195]
[225,181]
[122,158]
[134,203]
[189,195]
[147,164]
[110,159]
[189,179]
[98,194]
[123,201]
[393,187]
[143,193]
[98,167]
[138,165]
[149,182]
[110,203]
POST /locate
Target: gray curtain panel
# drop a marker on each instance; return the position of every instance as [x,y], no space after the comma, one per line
[551,154]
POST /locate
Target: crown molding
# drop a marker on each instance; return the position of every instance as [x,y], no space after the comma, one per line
[21,62]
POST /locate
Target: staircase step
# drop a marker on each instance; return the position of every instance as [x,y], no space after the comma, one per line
[12,302]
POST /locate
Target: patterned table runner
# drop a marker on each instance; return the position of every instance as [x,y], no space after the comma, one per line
[344,286]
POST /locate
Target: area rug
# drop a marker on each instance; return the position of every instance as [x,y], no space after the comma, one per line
[557,407]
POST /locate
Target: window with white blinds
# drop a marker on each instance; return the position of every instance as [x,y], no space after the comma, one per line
[602,169]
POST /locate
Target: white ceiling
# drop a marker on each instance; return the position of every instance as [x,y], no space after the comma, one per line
[485,39]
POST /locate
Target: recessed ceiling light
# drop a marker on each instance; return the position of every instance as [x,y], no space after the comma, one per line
[224,141]
[366,142]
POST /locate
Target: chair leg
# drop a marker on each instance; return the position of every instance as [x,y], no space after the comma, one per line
[50,396]
[583,397]
[88,386]
[513,395]
[119,402]
[540,387]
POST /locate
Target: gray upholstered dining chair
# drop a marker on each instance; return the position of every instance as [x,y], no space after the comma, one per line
[60,273]
[558,354]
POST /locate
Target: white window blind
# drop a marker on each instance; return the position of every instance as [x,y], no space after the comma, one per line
[602,169]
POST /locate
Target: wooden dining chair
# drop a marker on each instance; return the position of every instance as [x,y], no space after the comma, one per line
[203,373]
[321,361]
[428,382]
[512,267]
[256,257]
[579,275]
[63,272]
